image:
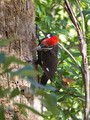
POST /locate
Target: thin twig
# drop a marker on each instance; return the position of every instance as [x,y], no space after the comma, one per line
[84,37]
[72,58]
[42,30]
[73,18]
[82,18]
[52,7]
[37,33]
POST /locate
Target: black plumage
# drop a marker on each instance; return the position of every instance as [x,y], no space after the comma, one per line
[47,59]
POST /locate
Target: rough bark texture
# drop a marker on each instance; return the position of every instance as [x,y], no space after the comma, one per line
[17,19]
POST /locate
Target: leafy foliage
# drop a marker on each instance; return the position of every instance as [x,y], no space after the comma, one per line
[52,18]
[2,116]
[25,106]
[61,102]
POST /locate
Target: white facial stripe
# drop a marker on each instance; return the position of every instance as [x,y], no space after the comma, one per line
[47,69]
[42,62]
[48,35]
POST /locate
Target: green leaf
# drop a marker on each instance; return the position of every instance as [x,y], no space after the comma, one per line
[63,31]
[6,71]
[1,92]
[14,93]
[15,116]
[74,65]
[62,113]
[28,72]
[6,91]
[60,53]
[47,87]
[71,70]
[76,54]
[49,101]
[86,1]
[74,117]
[87,17]
[48,21]
[2,116]
[23,111]
[85,12]
[25,71]
[61,95]
[29,108]
[2,57]
[11,59]
[5,41]
[23,1]
[39,10]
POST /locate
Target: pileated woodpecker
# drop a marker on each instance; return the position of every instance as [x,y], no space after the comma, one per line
[47,57]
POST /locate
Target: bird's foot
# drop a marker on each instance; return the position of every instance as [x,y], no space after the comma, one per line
[28,59]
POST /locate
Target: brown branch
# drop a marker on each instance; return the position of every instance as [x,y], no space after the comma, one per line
[83,50]
[73,18]
[85,65]
[82,18]
[72,58]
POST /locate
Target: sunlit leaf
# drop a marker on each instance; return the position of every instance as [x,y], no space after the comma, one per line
[23,1]
[1,92]
[2,116]
[6,91]
[29,108]
[86,1]
[61,95]
[14,93]
[23,111]
[11,59]
[5,41]
[49,101]
[85,12]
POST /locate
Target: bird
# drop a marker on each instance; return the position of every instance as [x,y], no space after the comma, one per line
[47,51]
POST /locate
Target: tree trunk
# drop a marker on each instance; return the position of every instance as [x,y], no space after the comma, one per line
[17,19]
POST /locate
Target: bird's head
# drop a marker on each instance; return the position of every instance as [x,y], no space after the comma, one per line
[48,42]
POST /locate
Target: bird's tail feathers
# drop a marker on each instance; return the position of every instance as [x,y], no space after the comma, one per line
[44,79]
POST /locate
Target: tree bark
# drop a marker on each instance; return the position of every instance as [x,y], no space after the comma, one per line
[17,19]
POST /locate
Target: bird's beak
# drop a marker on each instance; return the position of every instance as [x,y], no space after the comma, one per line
[38,48]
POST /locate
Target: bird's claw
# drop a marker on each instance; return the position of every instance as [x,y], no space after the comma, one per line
[28,59]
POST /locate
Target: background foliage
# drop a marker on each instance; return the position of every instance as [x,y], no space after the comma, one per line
[59,102]
[52,18]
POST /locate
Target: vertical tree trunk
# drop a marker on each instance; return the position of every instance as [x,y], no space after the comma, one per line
[17,19]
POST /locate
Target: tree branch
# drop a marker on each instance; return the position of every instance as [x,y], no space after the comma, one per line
[82,18]
[83,50]
[52,7]
[41,30]
[72,58]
